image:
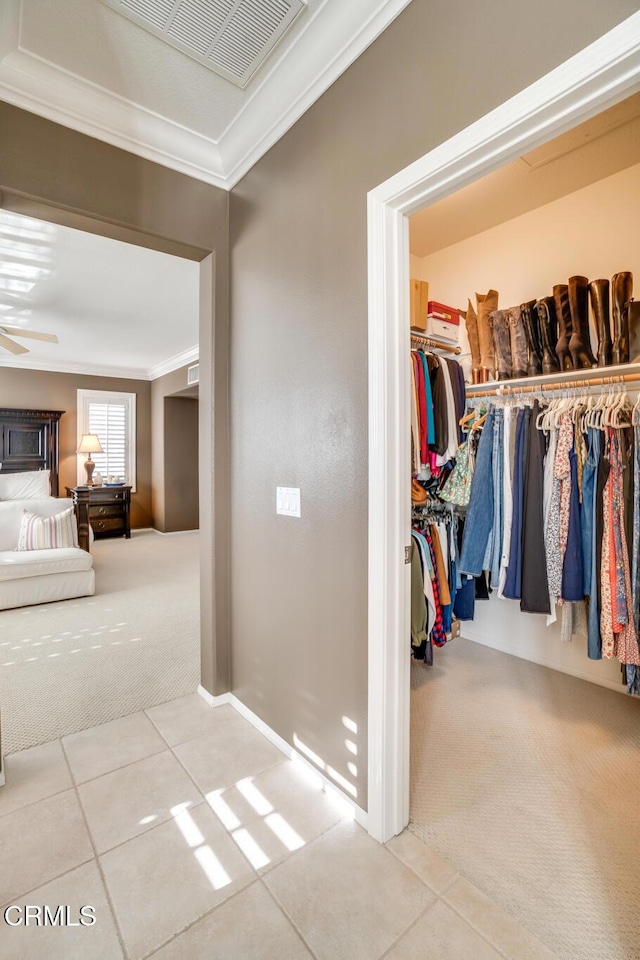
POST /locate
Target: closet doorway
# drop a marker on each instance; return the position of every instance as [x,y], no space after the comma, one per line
[595,80]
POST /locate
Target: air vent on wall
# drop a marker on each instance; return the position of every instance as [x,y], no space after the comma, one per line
[231,37]
[193,374]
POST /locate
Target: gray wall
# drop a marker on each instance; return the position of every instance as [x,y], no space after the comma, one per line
[45,390]
[50,171]
[164,479]
[181,463]
[299,343]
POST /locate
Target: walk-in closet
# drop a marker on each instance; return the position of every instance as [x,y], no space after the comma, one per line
[525,540]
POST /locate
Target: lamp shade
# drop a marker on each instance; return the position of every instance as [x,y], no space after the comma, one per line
[90,444]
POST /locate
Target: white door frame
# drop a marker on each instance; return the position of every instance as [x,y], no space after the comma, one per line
[600,75]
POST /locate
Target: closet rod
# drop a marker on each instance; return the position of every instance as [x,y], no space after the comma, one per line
[506,390]
[430,342]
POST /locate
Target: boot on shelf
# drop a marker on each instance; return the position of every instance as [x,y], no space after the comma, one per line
[580,343]
[563,315]
[471,323]
[546,310]
[518,342]
[502,343]
[621,291]
[633,311]
[487,303]
[534,340]
[599,292]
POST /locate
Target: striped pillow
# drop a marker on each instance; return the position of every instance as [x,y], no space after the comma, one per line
[47,533]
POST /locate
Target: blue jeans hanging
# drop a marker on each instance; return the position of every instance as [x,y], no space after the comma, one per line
[479,522]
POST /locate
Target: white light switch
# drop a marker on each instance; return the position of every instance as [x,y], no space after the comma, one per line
[288,501]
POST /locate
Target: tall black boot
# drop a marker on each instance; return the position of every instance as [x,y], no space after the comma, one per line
[580,343]
[563,315]
[534,340]
[599,291]
[546,310]
[621,291]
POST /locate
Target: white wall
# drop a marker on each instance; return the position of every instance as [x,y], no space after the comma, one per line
[592,232]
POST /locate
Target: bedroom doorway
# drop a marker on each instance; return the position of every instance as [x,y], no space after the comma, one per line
[180,567]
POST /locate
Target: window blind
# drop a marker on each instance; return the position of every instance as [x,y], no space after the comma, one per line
[109,421]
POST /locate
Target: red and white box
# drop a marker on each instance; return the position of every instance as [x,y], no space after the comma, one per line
[443,322]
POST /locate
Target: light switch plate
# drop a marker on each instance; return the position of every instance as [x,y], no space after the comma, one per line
[288,501]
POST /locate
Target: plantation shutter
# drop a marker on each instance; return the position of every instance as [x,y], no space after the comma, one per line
[109,421]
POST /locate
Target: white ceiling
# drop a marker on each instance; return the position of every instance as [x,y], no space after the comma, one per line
[595,149]
[117,309]
[84,65]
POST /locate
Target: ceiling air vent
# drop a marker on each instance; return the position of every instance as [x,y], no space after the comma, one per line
[231,37]
[193,374]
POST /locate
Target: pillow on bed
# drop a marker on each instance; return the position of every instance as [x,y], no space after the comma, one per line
[33,485]
[48,533]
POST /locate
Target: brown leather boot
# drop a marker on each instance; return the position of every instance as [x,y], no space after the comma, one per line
[471,323]
[563,315]
[633,310]
[580,343]
[487,303]
[502,343]
[599,292]
[546,310]
[518,342]
[534,340]
[621,291]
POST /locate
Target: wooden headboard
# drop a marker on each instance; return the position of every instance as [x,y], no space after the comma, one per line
[29,441]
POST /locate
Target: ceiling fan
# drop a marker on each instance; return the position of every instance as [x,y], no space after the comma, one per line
[6,333]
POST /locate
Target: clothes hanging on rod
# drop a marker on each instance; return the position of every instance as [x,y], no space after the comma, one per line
[438,402]
[435,578]
[553,517]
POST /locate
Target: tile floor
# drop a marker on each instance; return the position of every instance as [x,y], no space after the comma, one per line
[193,837]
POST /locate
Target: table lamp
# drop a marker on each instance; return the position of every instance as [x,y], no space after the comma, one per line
[89,444]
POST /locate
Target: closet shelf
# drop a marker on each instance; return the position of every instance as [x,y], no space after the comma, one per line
[594,377]
[421,341]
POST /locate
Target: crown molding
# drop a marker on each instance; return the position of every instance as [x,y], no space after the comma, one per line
[174,363]
[79,369]
[41,87]
[310,66]
[104,370]
[315,64]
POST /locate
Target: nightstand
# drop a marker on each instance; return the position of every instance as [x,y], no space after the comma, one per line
[105,509]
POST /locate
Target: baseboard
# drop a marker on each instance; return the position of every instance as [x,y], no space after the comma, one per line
[503,646]
[359,815]
[211,700]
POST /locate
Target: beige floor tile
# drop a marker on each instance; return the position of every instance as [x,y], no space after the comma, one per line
[189,717]
[226,755]
[80,888]
[276,813]
[97,751]
[349,897]
[135,799]
[430,867]
[495,924]
[34,774]
[441,935]
[166,879]
[40,842]
[248,927]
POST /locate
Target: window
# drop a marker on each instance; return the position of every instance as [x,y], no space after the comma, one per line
[113,417]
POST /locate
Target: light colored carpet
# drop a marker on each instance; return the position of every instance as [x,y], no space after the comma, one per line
[528,782]
[71,665]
